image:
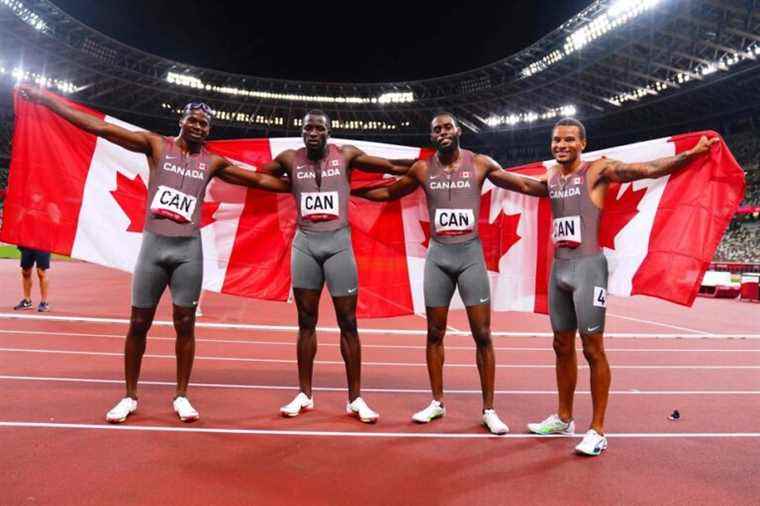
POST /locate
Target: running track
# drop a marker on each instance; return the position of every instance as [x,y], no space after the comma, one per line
[61,371]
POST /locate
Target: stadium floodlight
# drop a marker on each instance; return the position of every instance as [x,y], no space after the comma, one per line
[709,69]
[20,75]
[497,120]
[617,14]
[190,81]
[25,14]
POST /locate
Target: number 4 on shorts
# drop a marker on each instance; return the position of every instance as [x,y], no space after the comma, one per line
[600,296]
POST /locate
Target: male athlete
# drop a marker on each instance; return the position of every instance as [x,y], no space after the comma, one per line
[320,177]
[171,252]
[578,283]
[452,180]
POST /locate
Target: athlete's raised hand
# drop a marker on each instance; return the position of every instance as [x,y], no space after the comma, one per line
[704,145]
[31,93]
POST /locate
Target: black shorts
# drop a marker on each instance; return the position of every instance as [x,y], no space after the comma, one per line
[31,256]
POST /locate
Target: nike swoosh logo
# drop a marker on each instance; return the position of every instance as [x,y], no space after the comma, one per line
[592,329]
[484,300]
[351,290]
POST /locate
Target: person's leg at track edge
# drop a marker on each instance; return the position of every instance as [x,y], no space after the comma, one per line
[567,372]
[350,346]
[26,283]
[307,304]
[434,350]
[134,346]
[44,283]
[479,317]
[593,350]
[184,347]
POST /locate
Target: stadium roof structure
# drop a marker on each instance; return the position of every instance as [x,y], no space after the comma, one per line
[624,61]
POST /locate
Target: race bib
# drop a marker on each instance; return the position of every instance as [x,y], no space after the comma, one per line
[454,221]
[173,204]
[566,232]
[320,206]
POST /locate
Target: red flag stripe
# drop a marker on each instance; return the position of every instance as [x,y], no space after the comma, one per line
[48,172]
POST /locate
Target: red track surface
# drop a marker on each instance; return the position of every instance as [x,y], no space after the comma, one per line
[70,372]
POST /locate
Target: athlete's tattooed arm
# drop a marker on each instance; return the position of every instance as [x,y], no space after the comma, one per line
[358,159]
[237,175]
[616,171]
[141,142]
[404,185]
[512,181]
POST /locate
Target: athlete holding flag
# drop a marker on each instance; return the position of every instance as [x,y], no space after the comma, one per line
[171,252]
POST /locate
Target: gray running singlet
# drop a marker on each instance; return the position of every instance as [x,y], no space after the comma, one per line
[578,282]
[575,218]
[322,250]
[176,190]
[455,255]
[453,200]
[322,207]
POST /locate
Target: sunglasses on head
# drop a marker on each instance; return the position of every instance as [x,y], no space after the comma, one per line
[194,106]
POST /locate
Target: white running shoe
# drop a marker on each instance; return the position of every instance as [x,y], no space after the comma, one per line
[494,424]
[302,402]
[430,413]
[359,408]
[185,410]
[122,410]
[593,444]
[552,425]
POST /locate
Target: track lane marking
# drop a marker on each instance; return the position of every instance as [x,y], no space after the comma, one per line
[33,333]
[426,391]
[370,363]
[403,332]
[317,433]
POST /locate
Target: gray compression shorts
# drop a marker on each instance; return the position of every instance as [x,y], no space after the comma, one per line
[448,266]
[324,256]
[578,294]
[173,261]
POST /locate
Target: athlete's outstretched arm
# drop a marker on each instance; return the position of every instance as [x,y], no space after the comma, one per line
[616,171]
[510,181]
[367,163]
[237,175]
[140,142]
[404,185]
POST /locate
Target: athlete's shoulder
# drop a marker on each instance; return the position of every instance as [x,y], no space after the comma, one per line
[420,168]
[480,158]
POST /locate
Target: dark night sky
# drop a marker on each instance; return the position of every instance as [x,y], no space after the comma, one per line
[327,41]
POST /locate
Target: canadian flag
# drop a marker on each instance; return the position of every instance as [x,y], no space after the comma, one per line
[74,194]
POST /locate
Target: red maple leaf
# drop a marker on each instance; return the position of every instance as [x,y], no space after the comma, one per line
[131,194]
[497,236]
[618,212]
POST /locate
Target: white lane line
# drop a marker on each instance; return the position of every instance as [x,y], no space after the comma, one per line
[425,391]
[698,334]
[379,364]
[33,333]
[650,322]
[339,434]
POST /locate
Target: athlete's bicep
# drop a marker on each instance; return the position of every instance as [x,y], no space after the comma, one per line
[139,142]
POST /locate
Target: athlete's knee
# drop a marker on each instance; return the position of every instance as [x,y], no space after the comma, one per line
[184,320]
[138,327]
[563,346]
[482,336]
[26,273]
[594,353]
[435,333]
[347,324]
[307,321]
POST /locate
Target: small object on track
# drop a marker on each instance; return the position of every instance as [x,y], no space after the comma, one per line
[675,415]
